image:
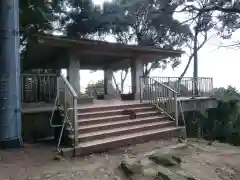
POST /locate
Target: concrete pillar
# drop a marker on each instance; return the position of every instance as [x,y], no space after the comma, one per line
[108,84]
[137,68]
[73,73]
[10,100]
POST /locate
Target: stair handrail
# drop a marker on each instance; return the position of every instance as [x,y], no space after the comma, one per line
[175,95]
[164,85]
[67,103]
[158,97]
[65,121]
[177,104]
[69,86]
[73,98]
[54,109]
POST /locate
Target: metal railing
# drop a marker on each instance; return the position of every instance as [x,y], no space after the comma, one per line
[186,87]
[38,88]
[159,94]
[67,98]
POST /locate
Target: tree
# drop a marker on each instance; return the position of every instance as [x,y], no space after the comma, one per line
[225,15]
[230,93]
[82,19]
[145,23]
[129,21]
[123,76]
[221,123]
[201,26]
[36,16]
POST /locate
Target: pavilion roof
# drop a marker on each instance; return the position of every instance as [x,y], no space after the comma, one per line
[48,51]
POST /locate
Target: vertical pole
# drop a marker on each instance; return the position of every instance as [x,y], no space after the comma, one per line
[211,87]
[105,83]
[10,115]
[195,64]
[176,108]
[75,123]
[141,79]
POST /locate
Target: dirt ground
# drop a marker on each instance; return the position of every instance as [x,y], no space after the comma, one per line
[35,162]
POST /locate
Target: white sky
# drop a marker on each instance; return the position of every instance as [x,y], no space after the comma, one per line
[222,64]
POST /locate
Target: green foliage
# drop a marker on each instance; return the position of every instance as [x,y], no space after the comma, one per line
[36,16]
[144,22]
[83,19]
[230,93]
[223,122]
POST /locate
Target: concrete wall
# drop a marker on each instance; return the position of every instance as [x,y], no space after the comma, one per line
[36,126]
[191,104]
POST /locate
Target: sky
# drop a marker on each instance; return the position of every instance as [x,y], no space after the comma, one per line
[220,63]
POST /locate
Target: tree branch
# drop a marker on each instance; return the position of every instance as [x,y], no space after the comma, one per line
[123,79]
[213,8]
[115,82]
[192,55]
[235,44]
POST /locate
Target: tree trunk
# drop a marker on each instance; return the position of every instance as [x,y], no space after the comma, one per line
[195,63]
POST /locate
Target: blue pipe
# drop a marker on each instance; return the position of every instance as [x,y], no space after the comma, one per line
[10,115]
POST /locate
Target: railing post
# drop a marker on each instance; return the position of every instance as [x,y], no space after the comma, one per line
[58,87]
[212,92]
[176,108]
[75,121]
[140,84]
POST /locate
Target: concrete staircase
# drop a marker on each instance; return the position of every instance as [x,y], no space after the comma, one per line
[103,128]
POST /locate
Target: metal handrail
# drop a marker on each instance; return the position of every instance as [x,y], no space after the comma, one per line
[67,120]
[174,77]
[34,74]
[74,108]
[186,85]
[54,109]
[69,86]
[158,99]
[164,85]
[177,102]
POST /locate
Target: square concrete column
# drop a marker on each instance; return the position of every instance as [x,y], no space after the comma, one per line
[137,69]
[73,73]
[108,85]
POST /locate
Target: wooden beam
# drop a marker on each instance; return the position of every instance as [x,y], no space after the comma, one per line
[120,65]
[104,53]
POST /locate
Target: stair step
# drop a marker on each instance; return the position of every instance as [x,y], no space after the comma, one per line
[113,118]
[122,140]
[112,107]
[92,121]
[118,124]
[112,112]
[123,130]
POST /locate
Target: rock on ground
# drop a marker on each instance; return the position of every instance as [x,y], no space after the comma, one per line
[163,164]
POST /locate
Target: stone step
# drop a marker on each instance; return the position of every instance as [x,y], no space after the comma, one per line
[122,123]
[92,121]
[112,118]
[122,140]
[109,107]
[101,134]
[112,112]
